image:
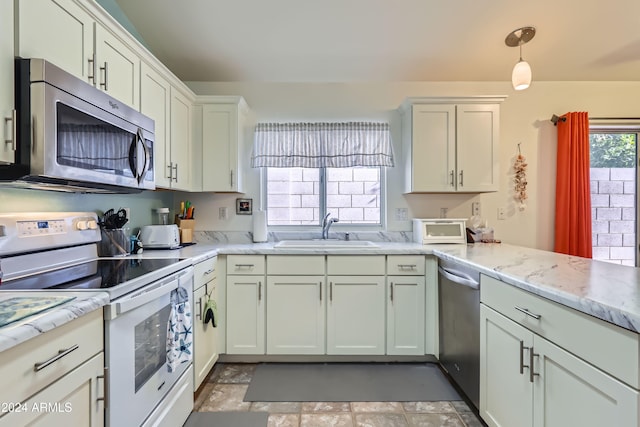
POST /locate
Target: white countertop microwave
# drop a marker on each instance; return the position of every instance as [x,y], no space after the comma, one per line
[439,230]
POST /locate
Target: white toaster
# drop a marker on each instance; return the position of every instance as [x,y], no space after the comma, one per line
[160,236]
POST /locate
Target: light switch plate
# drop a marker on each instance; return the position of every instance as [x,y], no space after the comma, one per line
[223,213]
[401,214]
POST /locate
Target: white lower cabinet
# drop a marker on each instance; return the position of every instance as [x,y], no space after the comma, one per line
[356,315]
[245,315]
[296,315]
[529,381]
[405,315]
[205,352]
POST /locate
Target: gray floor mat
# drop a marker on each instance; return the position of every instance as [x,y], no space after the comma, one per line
[227,419]
[349,382]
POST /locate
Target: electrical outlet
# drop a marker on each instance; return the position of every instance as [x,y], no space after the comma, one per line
[401,214]
[223,213]
[475,209]
[443,212]
[502,213]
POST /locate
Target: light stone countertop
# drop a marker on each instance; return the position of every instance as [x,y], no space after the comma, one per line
[607,291]
[32,326]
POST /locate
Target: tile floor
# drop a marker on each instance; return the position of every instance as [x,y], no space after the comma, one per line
[227,384]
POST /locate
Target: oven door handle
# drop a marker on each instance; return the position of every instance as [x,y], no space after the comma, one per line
[145,296]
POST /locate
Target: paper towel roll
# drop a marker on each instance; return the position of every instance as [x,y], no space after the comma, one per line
[260,226]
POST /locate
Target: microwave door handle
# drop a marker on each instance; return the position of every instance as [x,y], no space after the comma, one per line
[147,157]
[133,163]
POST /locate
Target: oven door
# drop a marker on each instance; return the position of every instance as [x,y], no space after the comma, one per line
[136,350]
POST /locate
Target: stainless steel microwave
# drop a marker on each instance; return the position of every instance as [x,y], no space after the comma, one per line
[74,137]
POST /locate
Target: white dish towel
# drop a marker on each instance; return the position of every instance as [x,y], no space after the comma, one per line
[179,330]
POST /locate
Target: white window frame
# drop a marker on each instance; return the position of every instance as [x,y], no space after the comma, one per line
[344,227]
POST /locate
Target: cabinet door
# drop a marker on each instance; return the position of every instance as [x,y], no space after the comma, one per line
[477,147]
[405,315]
[506,393]
[73,400]
[204,334]
[220,147]
[245,315]
[295,315]
[433,148]
[569,391]
[155,95]
[356,315]
[7,152]
[117,68]
[180,141]
[59,31]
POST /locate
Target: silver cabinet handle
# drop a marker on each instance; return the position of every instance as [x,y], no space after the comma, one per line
[522,365]
[206,273]
[104,84]
[245,265]
[170,167]
[527,312]
[407,266]
[320,290]
[531,356]
[330,291]
[61,353]
[105,389]
[175,177]
[12,137]
[199,312]
[452,175]
[231,179]
[259,291]
[391,287]
[461,178]
[91,74]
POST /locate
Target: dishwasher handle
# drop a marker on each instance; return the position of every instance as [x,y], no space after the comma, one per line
[459,277]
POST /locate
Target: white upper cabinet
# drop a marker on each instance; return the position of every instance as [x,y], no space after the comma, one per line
[7,114]
[451,144]
[180,152]
[59,31]
[65,34]
[224,120]
[155,96]
[117,67]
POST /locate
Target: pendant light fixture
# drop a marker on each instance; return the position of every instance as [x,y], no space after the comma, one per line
[521,75]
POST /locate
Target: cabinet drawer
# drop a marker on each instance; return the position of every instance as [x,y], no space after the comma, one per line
[295,264]
[609,347]
[204,272]
[245,264]
[17,364]
[405,265]
[356,265]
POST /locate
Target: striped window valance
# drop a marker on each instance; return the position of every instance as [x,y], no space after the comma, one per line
[318,145]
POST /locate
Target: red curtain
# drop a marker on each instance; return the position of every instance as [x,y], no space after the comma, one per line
[573,192]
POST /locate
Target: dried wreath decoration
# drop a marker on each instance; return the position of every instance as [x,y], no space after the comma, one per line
[520,179]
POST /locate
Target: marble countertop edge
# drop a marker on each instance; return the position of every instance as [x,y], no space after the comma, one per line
[32,326]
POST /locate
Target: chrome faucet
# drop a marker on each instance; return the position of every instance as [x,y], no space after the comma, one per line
[326,225]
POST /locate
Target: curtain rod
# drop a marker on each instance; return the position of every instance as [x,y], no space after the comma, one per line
[555,119]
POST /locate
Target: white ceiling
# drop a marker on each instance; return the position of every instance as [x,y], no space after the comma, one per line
[388,40]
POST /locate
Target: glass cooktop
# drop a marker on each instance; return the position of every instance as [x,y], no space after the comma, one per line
[102,273]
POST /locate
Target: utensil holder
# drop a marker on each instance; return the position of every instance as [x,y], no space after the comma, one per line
[114,242]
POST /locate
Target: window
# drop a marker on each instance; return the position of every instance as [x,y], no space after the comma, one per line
[303,196]
[614,187]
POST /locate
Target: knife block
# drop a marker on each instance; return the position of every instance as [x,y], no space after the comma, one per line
[186,227]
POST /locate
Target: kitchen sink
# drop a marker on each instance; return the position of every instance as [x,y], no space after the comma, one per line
[326,244]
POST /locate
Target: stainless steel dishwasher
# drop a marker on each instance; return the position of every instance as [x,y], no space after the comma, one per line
[459,313]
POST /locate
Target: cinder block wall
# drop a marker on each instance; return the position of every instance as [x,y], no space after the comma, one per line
[613,192]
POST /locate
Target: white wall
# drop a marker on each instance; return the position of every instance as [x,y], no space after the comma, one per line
[524,119]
